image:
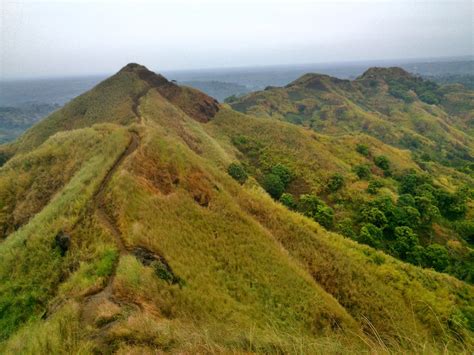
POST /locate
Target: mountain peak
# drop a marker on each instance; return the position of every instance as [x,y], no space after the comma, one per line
[133,67]
[153,79]
[196,104]
[316,81]
[385,73]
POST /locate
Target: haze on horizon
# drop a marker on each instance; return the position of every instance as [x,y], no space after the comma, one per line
[41,38]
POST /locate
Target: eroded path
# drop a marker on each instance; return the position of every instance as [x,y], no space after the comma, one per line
[94,301]
[98,199]
[102,309]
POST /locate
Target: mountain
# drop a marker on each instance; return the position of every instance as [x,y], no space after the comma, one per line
[403,110]
[408,150]
[15,120]
[134,220]
[218,89]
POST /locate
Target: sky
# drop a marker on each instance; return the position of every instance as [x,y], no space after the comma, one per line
[48,38]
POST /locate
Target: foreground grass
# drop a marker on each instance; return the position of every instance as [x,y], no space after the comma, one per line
[31,268]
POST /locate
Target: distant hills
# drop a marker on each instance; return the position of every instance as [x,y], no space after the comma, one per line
[387,103]
[15,120]
[218,83]
[324,216]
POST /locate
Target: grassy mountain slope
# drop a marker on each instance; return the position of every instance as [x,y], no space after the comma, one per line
[425,132]
[166,252]
[387,103]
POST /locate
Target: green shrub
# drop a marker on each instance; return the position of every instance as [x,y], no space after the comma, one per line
[406,200]
[417,256]
[407,216]
[283,172]
[345,227]
[314,207]
[374,186]
[288,200]
[383,163]
[374,216]
[400,93]
[105,265]
[237,172]
[362,171]
[273,185]
[437,257]
[410,180]
[451,205]
[428,211]
[405,242]
[383,203]
[370,235]
[465,230]
[335,182]
[362,149]
[429,98]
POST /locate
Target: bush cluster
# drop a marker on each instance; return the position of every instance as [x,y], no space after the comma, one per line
[237,172]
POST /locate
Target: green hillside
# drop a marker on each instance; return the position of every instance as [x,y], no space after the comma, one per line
[143,217]
[405,162]
[436,123]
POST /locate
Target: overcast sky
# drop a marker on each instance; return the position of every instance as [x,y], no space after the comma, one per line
[71,37]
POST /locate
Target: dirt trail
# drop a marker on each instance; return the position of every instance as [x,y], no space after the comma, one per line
[98,199]
[94,301]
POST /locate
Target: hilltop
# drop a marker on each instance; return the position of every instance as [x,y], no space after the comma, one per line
[403,110]
[146,217]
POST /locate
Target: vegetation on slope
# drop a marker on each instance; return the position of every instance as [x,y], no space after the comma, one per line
[386,103]
[31,267]
[169,253]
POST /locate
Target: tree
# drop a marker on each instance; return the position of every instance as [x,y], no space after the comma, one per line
[407,216]
[410,180]
[335,182]
[314,207]
[345,227]
[283,172]
[374,186]
[383,203]
[417,256]
[437,257]
[362,171]
[465,230]
[370,235]
[383,163]
[451,205]
[362,149]
[428,211]
[237,172]
[406,200]
[287,200]
[273,185]
[429,98]
[425,189]
[405,242]
[231,99]
[325,216]
[374,216]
